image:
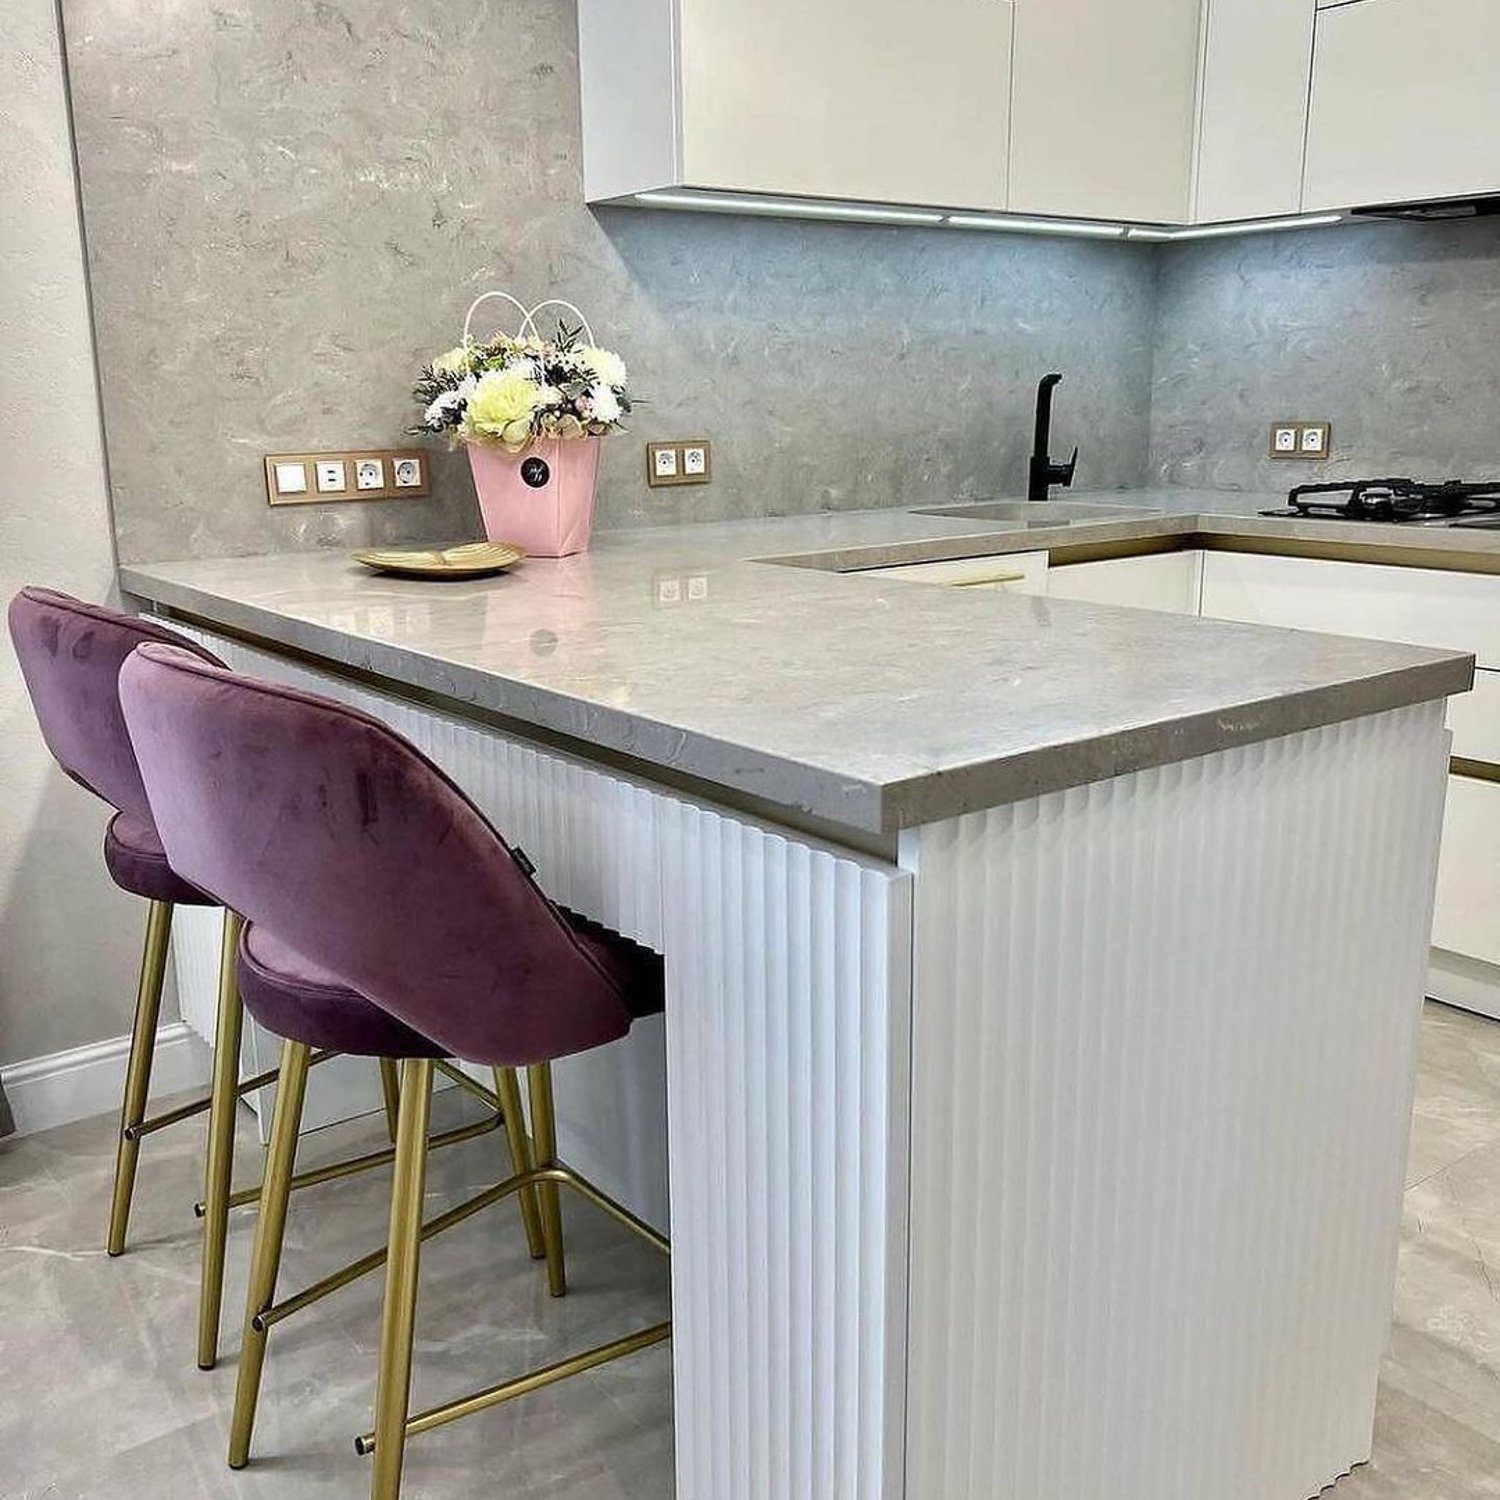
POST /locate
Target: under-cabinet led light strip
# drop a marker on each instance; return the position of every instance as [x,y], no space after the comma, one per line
[788,208]
[873,213]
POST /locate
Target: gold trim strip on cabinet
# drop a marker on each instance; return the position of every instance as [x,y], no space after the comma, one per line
[979,583]
[1429,559]
[1474,770]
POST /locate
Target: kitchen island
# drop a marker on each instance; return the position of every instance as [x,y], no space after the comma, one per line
[1042,982]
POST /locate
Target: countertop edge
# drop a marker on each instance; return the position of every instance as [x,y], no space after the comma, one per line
[1057,768]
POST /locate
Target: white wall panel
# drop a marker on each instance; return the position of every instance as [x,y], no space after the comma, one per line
[1163,1032]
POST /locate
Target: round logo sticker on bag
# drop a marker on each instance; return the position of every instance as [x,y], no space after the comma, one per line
[535,472]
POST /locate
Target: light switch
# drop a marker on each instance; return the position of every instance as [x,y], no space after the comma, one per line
[291,479]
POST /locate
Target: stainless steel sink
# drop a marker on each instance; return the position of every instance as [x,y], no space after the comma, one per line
[1036,512]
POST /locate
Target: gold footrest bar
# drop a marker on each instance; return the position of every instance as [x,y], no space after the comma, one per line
[456,1215]
[376,1258]
[200,1106]
[523,1385]
[370,1160]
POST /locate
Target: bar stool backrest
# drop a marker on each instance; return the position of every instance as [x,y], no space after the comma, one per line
[349,845]
[70,654]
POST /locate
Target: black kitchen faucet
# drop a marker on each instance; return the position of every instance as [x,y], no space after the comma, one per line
[1044,473]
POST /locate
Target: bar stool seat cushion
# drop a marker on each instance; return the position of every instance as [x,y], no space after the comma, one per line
[294,997]
[137,863]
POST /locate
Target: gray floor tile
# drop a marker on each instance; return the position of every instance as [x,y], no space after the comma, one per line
[109,1402]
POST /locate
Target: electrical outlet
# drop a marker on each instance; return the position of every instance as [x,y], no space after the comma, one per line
[1301,439]
[689,461]
[331,479]
[324,478]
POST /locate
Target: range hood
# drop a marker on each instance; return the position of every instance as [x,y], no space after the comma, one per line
[1437,211]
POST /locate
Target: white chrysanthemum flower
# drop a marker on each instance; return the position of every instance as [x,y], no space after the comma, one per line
[604,405]
[549,395]
[603,364]
[525,367]
[448,403]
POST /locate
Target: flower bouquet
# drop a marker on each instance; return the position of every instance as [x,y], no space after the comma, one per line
[530,411]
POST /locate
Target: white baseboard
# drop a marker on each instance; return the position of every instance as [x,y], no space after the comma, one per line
[84,1081]
[1464,982]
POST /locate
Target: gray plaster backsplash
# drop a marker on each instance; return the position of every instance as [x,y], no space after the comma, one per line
[289,206]
[1391,331]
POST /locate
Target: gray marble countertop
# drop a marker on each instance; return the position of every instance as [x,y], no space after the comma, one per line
[861,702]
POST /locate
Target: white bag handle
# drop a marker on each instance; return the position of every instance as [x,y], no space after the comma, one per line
[528,314]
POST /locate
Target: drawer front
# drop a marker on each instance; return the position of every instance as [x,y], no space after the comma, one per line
[1013,572]
[1474,719]
[1419,606]
[1467,918]
[1165,581]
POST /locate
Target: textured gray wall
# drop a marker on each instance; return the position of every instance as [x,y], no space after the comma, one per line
[1391,331]
[289,205]
[69,940]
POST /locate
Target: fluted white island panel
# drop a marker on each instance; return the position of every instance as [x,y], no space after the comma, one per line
[1163,1054]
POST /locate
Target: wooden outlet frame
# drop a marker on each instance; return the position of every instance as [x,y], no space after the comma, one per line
[312,495]
[679,446]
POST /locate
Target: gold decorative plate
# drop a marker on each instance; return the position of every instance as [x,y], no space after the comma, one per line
[472,560]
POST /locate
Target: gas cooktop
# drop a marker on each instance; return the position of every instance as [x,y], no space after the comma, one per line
[1449,502]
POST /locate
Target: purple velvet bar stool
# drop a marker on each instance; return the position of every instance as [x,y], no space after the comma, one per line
[383,910]
[70,654]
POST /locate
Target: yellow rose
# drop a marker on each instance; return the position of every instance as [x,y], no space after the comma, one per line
[500,409]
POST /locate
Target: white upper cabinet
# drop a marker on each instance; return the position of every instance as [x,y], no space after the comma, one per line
[857,99]
[1252,108]
[1152,111]
[1405,102]
[1102,108]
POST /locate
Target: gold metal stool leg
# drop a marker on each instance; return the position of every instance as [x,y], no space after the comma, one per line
[391,1087]
[219,1165]
[393,1385]
[265,1260]
[544,1130]
[138,1071]
[508,1090]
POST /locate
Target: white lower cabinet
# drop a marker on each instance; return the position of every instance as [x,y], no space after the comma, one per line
[1165,581]
[1467,919]
[1474,719]
[1420,606]
[1011,572]
[1428,607]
